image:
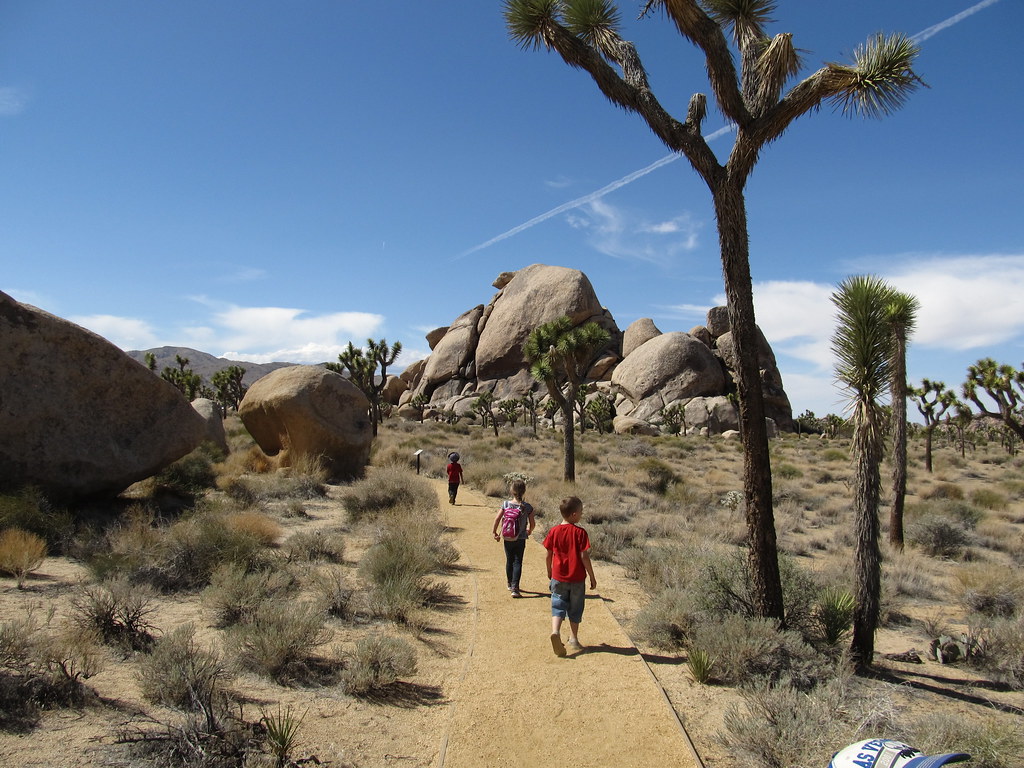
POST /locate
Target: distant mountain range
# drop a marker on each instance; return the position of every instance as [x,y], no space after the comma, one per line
[204,364]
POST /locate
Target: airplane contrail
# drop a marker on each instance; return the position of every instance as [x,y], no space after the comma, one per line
[629,178]
[920,37]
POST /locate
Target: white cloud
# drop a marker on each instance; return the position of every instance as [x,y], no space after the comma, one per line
[967,302]
[560,182]
[623,234]
[125,332]
[13,101]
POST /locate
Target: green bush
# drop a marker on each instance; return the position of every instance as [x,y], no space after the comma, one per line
[748,650]
[657,475]
[834,615]
[668,621]
[180,673]
[946,491]
[280,640]
[191,474]
[377,662]
[235,595]
[787,472]
[29,510]
[939,536]
[986,498]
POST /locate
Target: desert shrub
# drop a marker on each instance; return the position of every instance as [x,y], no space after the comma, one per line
[609,539]
[1002,656]
[668,620]
[21,553]
[29,510]
[191,474]
[118,612]
[748,649]
[777,726]
[334,593]
[316,546]
[656,475]
[701,665]
[280,640]
[660,567]
[991,742]
[986,498]
[398,566]
[193,548]
[724,588]
[834,454]
[787,472]
[990,590]
[260,527]
[235,595]
[282,730]
[42,667]
[945,491]
[180,673]
[386,490]
[939,536]
[377,662]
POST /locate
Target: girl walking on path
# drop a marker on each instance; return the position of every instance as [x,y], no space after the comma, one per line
[516,522]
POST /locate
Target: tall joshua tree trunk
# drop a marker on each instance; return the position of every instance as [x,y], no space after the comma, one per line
[763,564]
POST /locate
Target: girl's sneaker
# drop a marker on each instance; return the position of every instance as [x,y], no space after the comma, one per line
[515,592]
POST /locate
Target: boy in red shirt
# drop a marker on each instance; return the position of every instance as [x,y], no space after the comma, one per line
[569,565]
[454,470]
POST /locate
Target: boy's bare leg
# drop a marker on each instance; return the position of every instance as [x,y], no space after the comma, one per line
[556,639]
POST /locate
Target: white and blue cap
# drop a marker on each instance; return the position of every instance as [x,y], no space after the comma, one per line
[453,456]
[888,753]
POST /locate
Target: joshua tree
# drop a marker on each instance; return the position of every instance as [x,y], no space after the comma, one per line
[229,387]
[484,405]
[862,345]
[362,370]
[933,400]
[510,409]
[902,317]
[1004,385]
[585,33]
[187,381]
[558,351]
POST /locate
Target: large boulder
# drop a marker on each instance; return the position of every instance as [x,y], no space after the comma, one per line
[452,352]
[306,410]
[639,331]
[78,417]
[673,365]
[211,413]
[536,295]
[776,401]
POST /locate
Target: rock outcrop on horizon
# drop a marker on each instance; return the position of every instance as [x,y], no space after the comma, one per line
[644,370]
[307,410]
[79,418]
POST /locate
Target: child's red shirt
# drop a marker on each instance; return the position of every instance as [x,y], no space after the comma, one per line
[455,472]
[567,542]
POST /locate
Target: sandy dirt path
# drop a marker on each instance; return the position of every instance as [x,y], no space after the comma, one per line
[516,703]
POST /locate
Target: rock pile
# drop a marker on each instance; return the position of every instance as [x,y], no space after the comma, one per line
[644,370]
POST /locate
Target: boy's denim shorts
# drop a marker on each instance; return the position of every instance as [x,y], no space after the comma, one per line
[567,599]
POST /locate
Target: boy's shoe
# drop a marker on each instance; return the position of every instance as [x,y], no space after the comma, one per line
[574,644]
[515,593]
[557,645]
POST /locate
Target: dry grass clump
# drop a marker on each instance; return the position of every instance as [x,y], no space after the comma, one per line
[21,553]
[990,590]
[385,490]
[180,673]
[260,527]
[377,662]
[992,742]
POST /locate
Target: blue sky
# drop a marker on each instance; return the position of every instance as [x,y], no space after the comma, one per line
[269,180]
